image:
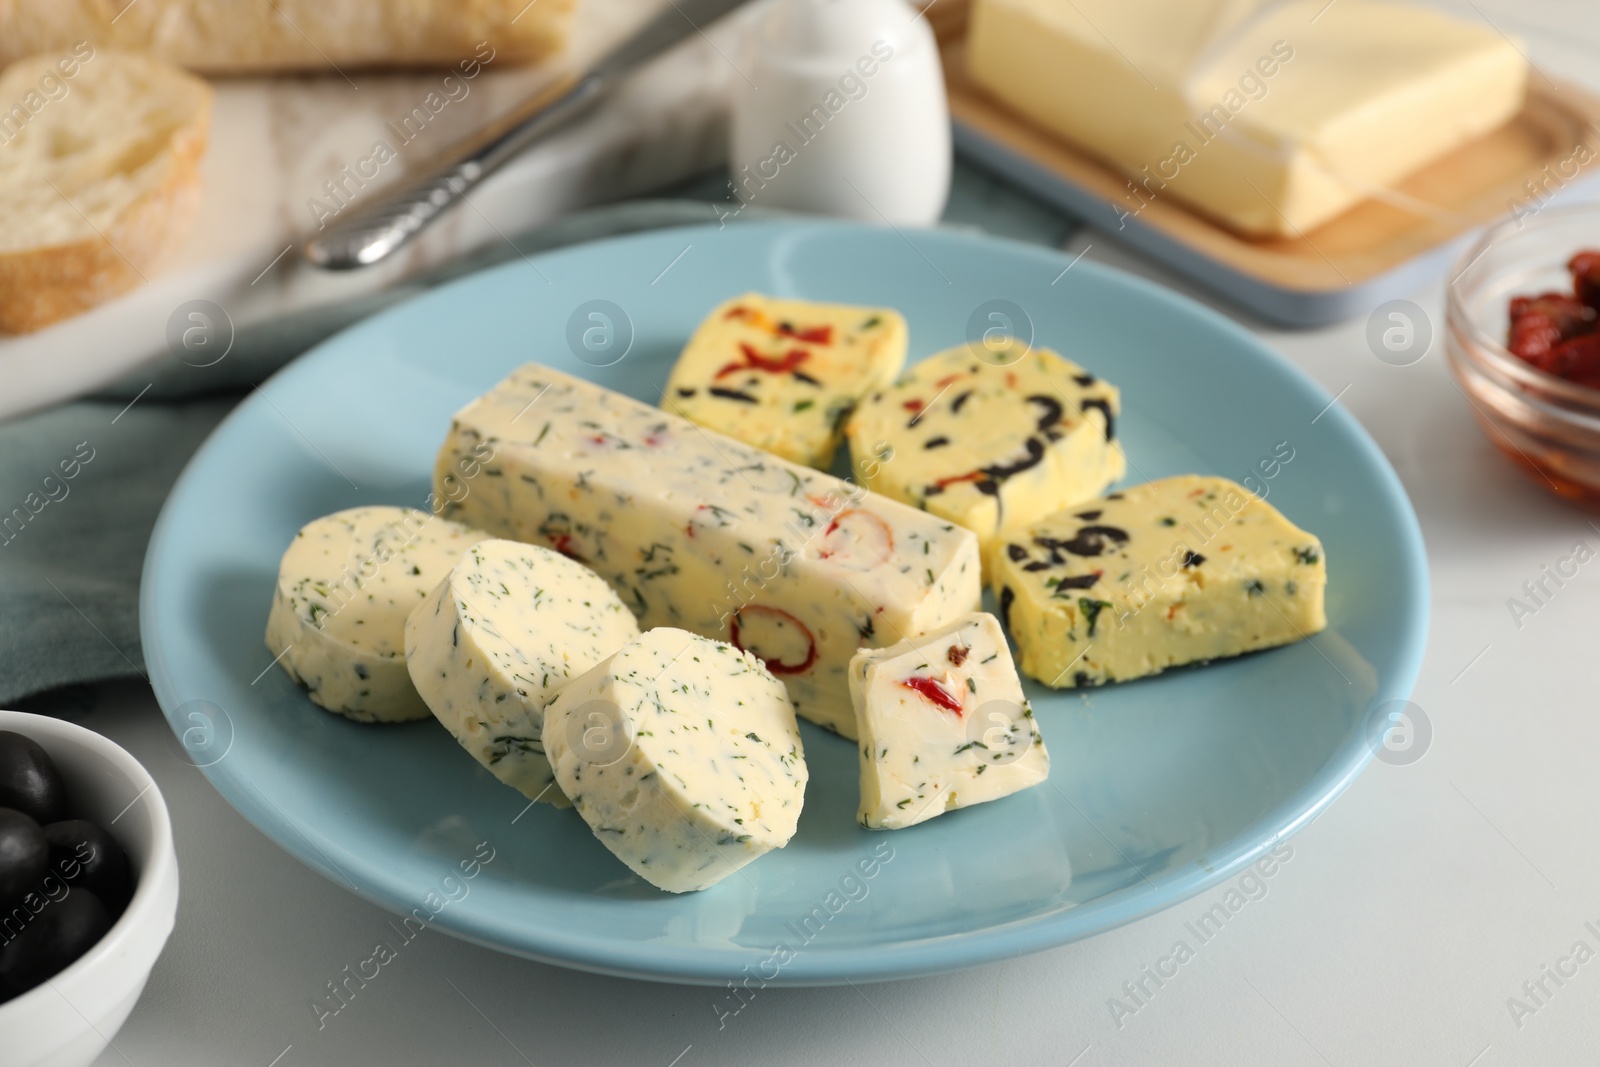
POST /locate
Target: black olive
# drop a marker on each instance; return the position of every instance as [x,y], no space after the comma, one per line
[83,855]
[24,855]
[1049,410]
[1094,540]
[1007,598]
[1017,553]
[999,472]
[29,780]
[63,929]
[1104,407]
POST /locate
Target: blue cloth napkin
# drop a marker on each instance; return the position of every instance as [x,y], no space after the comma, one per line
[81,484]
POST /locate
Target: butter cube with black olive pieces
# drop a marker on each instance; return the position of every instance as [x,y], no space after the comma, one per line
[943,724]
[990,437]
[1181,570]
[784,375]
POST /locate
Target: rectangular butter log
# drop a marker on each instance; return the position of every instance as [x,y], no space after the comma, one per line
[699,531]
[943,724]
[990,435]
[509,626]
[784,375]
[683,756]
[1175,571]
[1268,122]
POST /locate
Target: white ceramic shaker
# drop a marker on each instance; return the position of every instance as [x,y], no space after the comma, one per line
[841,111]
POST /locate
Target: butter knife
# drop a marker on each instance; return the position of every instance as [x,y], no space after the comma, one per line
[373,232]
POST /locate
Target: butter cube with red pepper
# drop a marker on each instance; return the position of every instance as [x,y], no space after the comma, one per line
[943,724]
[785,375]
[990,436]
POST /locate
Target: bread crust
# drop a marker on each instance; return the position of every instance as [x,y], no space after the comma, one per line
[251,36]
[41,286]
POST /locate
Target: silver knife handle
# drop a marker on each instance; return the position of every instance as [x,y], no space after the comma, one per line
[378,229]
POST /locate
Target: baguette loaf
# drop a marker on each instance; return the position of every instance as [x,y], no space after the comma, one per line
[227,36]
[99,175]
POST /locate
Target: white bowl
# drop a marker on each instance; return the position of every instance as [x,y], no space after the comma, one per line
[69,1020]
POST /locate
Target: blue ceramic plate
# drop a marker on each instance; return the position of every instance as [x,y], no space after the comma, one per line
[1158,788]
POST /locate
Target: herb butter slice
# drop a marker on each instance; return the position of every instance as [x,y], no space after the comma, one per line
[682,754]
[1175,571]
[345,586]
[500,636]
[943,724]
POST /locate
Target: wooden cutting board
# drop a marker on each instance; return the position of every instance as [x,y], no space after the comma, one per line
[1349,265]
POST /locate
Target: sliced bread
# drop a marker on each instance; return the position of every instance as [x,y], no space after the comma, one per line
[324,36]
[99,176]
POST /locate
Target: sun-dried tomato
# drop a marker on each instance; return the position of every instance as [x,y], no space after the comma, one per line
[754,360]
[1576,359]
[858,539]
[811,335]
[774,665]
[931,690]
[1556,332]
[1540,323]
[1585,268]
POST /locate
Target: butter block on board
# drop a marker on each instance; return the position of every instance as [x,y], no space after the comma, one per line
[497,639]
[990,436]
[683,756]
[700,531]
[1270,117]
[784,375]
[345,586]
[943,724]
[1175,571]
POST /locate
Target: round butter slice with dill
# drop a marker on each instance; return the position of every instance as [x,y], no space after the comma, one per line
[345,586]
[505,631]
[683,756]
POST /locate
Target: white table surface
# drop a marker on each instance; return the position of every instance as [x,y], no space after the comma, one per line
[1408,915]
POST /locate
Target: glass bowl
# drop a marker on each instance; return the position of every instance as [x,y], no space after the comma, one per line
[1547,426]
